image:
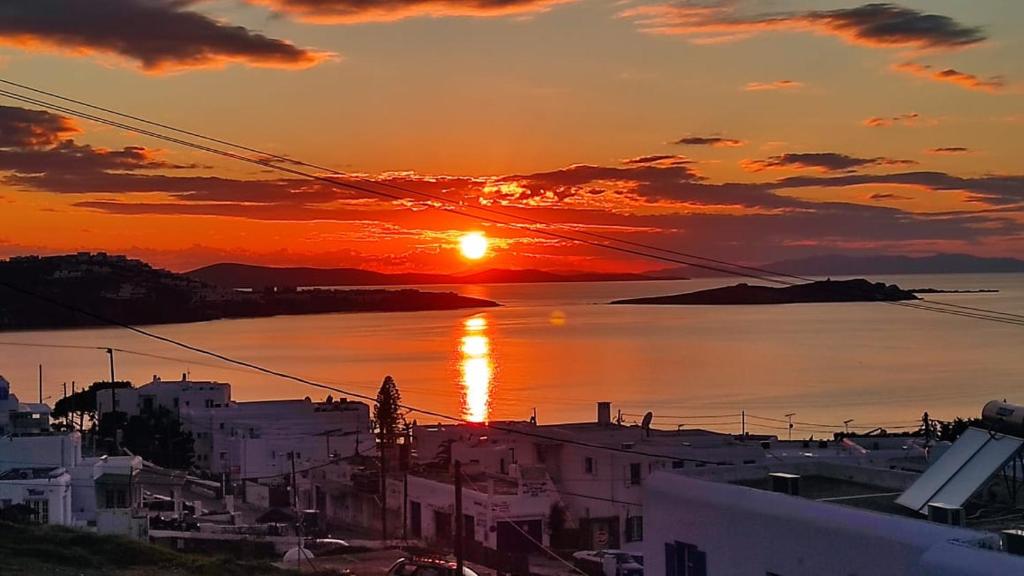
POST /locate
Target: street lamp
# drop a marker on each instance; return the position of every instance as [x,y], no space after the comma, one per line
[846,424]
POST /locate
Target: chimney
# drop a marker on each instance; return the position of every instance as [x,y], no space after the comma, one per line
[604,413]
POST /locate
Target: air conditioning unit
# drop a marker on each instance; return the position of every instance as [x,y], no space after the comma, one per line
[946,514]
[785,483]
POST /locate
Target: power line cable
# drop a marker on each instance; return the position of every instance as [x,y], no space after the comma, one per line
[459,207]
[308,382]
[439,197]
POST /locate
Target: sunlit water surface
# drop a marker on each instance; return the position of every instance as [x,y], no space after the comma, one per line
[558,348]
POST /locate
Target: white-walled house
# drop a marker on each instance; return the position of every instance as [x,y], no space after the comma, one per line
[259,439]
[508,513]
[17,417]
[701,528]
[178,396]
[46,490]
[98,493]
[598,468]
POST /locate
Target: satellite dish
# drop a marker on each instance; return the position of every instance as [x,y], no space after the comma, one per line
[646,423]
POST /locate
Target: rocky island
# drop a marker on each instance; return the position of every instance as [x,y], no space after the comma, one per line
[858,290]
[132,292]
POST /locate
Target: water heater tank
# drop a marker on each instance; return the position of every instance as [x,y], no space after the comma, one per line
[1004,417]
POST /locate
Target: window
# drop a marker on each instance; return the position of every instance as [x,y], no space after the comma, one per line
[122,499]
[209,403]
[415,519]
[588,465]
[41,508]
[175,402]
[682,559]
[634,474]
[634,528]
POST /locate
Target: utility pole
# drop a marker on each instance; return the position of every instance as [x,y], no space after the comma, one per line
[113,387]
[383,492]
[790,418]
[846,425]
[40,383]
[743,423]
[295,494]
[405,506]
[459,524]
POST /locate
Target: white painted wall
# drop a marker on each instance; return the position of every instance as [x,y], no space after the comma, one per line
[57,450]
[55,490]
[748,531]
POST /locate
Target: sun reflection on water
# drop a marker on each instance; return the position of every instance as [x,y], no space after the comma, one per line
[477,369]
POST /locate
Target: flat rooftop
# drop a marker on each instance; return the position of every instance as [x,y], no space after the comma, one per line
[821,488]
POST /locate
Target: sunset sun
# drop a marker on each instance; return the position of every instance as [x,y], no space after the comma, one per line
[473,245]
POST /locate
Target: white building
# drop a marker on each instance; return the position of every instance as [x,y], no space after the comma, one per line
[260,439]
[107,496]
[699,528]
[508,513]
[599,468]
[18,417]
[48,473]
[178,396]
[45,490]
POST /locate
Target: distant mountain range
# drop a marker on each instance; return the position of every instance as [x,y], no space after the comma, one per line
[842,265]
[230,275]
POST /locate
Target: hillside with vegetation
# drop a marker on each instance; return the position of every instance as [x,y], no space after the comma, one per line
[32,550]
[84,289]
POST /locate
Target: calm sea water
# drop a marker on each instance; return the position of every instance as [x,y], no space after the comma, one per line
[559,349]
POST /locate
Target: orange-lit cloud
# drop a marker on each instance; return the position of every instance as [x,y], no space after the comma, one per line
[776,85]
[66,194]
[358,11]
[908,119]
[158,35]
[876,24]
[952,76]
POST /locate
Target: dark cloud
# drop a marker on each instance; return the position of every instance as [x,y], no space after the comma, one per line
[716,141]
[996,189]
[356,11]
[157,34]
[952,76]
[948,150]
[888,196]
[823,161]
[876,24]
[658,159]
[24,128]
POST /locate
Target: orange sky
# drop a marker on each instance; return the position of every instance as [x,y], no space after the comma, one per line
[715,128]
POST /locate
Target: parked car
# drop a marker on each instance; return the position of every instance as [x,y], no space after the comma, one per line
[327,546]
[592,562]
[424,566]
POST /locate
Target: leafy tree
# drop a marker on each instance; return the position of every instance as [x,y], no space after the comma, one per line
[83,402]
[156,435]
[387,412]
[952,430]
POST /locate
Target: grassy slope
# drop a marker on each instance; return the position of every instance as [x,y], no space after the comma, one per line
[57,551]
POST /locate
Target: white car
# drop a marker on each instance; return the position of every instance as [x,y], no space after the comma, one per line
[592,561]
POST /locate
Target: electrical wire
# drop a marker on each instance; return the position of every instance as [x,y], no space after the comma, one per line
[459,208]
